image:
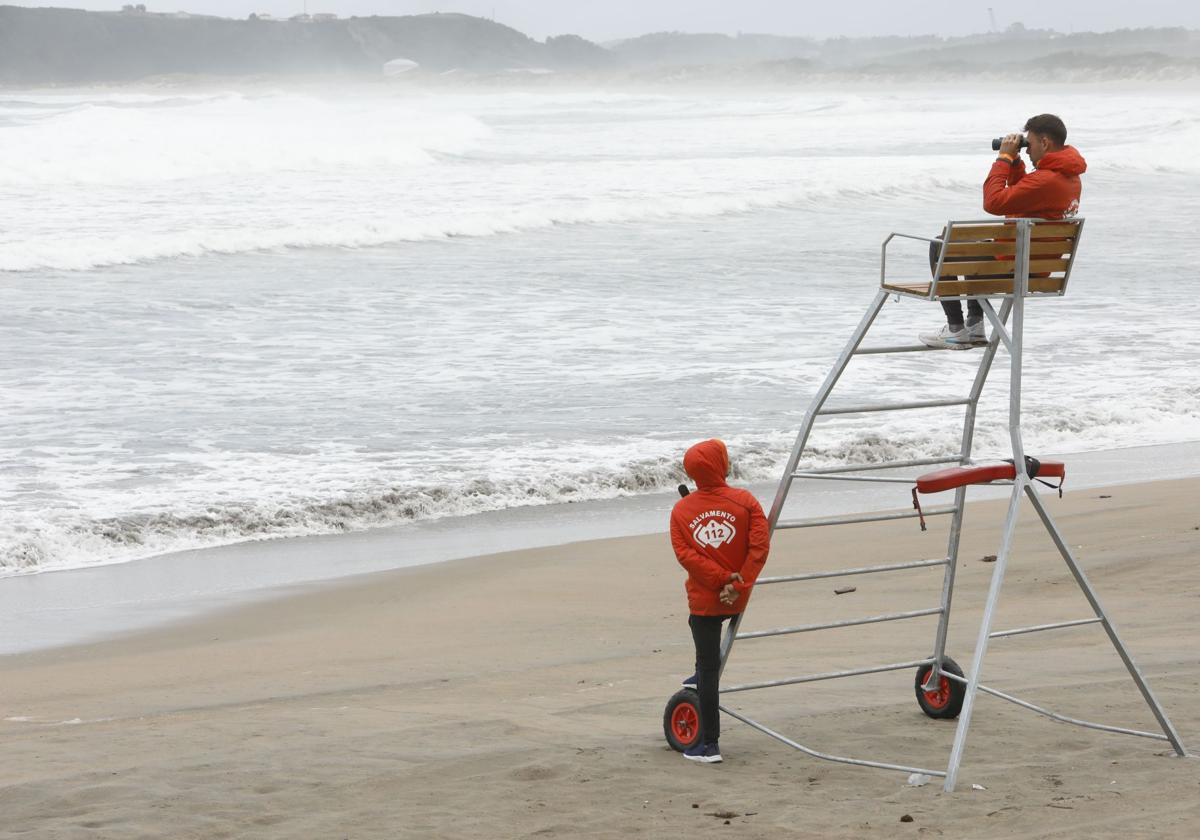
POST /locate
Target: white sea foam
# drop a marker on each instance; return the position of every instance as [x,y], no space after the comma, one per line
[551,296]
[76,253]
[99,143]
[337,490]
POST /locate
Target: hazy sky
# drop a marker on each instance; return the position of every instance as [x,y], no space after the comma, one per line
[608,19]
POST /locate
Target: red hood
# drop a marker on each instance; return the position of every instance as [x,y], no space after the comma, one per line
[707,463]
[1066,161]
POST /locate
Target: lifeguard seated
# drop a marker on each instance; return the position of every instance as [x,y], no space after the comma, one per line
[1050,192]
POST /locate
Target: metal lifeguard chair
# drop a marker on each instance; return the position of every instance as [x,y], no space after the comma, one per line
[1011,261]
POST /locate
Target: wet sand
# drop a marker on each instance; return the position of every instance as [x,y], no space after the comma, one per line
[521,695]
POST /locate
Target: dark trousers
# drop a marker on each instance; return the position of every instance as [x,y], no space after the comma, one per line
[706,633]
[953,308]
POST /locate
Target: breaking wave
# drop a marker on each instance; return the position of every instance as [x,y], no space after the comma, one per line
[81,253]
[55,542]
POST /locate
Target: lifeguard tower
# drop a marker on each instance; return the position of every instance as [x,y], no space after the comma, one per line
[1012,262]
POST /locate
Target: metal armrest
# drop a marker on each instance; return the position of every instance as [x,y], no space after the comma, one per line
[883,254]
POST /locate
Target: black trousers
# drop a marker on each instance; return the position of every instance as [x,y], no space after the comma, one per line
[706,633]
[953,308]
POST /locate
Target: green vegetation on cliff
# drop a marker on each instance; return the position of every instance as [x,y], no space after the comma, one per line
[67,46]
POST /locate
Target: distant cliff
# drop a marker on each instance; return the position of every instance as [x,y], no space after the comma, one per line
[1127,51]
[67,46]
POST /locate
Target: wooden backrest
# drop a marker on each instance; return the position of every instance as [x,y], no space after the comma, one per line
[983,255]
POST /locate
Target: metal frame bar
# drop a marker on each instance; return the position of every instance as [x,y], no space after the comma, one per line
[1074,251]
[870,407]
[827,756]
[898,348]
[1037,628]
[847,622]
[999,330]
[1104,727]
[1020,286]
[960,497]
[861,570]
[964,716]
[1012,338]
[888,465]
[838,477]
[853,520]
[829,675]
[1094,601]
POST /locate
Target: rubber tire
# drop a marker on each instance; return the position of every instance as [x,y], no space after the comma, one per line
[951,701]
[682,731]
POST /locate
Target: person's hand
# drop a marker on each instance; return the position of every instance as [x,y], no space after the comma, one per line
[1011,145]
[729,592]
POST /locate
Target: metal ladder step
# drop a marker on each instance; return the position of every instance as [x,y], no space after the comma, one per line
[861,570]
[849,622]
[883,465]
[830,675]
[869,407]
[1037,628]
[871,517]
[897,348]
[880,479]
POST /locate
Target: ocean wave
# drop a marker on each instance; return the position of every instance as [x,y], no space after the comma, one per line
[35,543]
[44,542]
[38,544]
[82,253]
[107,144]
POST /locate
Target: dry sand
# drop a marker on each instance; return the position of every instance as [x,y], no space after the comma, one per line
[521,695]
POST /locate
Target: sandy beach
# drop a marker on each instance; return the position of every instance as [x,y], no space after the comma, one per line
[521,695]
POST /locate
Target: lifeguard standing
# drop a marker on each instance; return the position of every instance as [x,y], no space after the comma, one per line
[720,536]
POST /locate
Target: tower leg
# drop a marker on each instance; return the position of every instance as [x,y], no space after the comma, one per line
[1098,609]
[960,495]
[823,393]
[810,417]
[985,630]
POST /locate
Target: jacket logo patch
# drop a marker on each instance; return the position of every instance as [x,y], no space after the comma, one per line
[714,533]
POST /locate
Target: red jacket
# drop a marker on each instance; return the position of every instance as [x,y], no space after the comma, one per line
[716,531]
[1049,192]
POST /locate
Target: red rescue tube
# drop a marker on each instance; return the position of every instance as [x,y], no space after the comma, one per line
[951,477]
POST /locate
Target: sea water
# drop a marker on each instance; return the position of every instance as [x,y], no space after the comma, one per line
[228,316]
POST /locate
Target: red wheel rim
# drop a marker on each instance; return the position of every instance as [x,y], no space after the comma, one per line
[939,698]
[685,723]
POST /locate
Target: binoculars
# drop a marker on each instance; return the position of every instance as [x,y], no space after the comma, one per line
[998,140]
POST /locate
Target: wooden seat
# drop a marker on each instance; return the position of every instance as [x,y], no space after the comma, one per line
[979,259]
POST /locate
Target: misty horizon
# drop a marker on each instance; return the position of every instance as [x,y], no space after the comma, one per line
[624,20]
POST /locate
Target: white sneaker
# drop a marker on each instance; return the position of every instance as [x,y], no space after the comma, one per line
[945,338]
[977,333]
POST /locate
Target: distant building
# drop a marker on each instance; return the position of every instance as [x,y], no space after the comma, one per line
[301,18]
[260,16]
[322,17]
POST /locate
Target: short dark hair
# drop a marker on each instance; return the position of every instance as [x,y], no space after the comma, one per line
[1049,126]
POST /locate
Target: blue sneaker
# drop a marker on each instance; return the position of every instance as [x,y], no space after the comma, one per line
[692,681]
[948,339]
[706,753]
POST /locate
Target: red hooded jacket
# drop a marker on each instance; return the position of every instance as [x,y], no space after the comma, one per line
[716,531]
[1049,192]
